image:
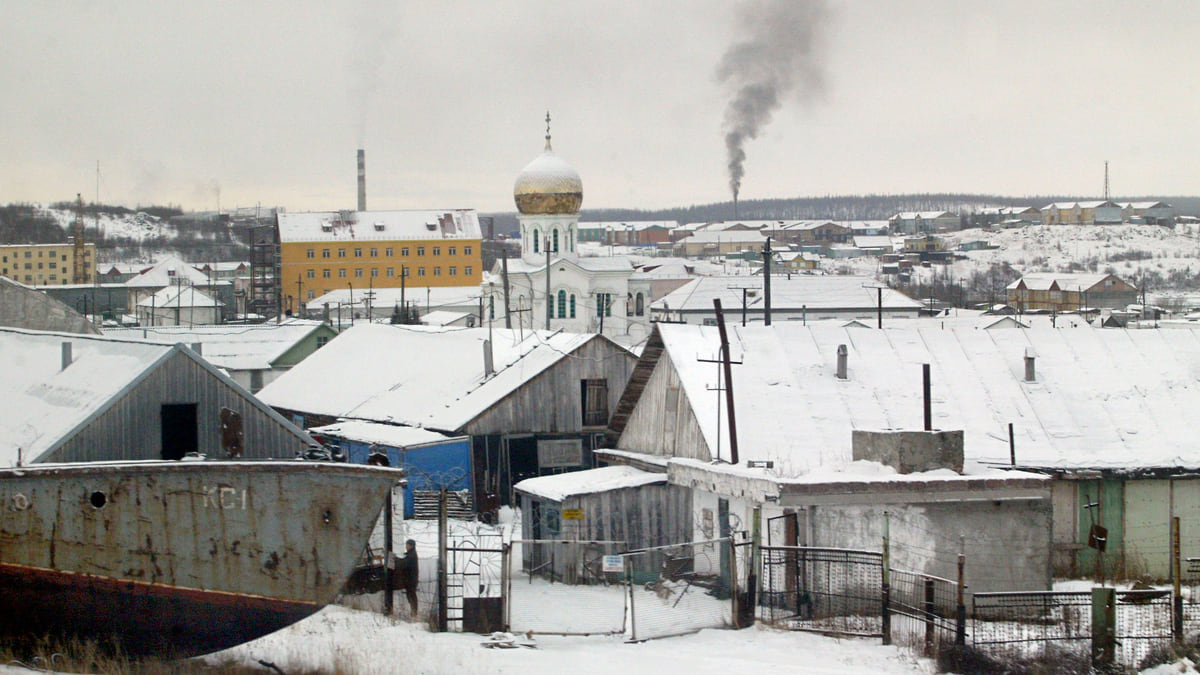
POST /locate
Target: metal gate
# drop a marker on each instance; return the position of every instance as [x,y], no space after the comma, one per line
[476,569]
[826,590]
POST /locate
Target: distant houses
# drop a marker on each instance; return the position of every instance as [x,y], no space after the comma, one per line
[1058,292]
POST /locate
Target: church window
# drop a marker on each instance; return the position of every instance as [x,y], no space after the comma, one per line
[639,307]
[572,305]
[555,249]
[535,240]
[562,304]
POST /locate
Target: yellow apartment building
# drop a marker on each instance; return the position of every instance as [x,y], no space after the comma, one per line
[324,251]
[45,264]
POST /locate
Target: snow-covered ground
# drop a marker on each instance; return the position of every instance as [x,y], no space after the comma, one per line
[360,642]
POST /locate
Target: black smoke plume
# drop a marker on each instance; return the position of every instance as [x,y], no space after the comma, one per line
[779,55]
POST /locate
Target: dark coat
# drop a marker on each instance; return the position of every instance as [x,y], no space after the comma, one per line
[407,569]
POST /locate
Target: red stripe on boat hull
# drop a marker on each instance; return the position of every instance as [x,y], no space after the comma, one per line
[142,618]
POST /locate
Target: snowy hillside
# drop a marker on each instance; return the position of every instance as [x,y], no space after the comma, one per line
[135,226]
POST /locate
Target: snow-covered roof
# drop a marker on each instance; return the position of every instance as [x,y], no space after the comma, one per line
[425,296]
[43,402]
[167,272]
[635,225]
[815,292]
[618,263]
[873,241]
[1044,281]
[180,296]
[726,236]
[234,347]
[390,435]
[444,317]
[350,226]
[420,376]
[923,215]
[561,486]
[1102,398]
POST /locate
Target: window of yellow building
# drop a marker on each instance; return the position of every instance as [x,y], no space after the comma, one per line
[341,274]
[358,272]
[437,250]
[357,252]
[420,250]
[374,253]
[311,274]
[391,272]
[325,273]
[374,271]
[341,253]
[453,250]
[388,251]
[404,252]
[324,253]
[468,270]
[437,271]
[420,271]
[310,253]
[453,271]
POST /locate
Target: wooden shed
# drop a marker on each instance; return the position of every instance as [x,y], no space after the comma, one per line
[570,520]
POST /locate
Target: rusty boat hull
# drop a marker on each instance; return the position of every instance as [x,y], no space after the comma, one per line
[179,558]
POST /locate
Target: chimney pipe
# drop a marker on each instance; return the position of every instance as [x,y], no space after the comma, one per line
[841,362]
[362,179]
[66,355]
[488,364]
[1030,369]
[198,347]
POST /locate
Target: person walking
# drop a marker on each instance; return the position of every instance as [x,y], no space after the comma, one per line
[409,575]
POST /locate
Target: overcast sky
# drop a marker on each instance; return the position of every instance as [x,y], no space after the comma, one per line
[267,101]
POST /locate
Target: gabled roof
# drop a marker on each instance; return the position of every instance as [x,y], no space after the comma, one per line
[348,227]
[420,376]
[726,237]
[167,272]
[43,403]
[1045,281]
[235,347]
[815,292]
[1102,398]
[180,296]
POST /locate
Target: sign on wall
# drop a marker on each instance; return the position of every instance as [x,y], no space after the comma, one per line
[560,452]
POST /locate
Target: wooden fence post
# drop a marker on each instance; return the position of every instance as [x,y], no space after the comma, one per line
[1104,620]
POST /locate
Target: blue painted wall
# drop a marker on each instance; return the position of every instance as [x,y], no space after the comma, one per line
[430,467]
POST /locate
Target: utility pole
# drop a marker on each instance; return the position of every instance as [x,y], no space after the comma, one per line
[507,318]
[766,254]
[403,305]
[299,293]
[728,367]
[744,290]
[549,301]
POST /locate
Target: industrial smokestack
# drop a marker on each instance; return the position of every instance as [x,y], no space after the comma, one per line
[362,179]
[735,209]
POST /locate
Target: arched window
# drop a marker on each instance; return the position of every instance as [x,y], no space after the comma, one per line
[639,305]
[555,249]
[535,241]
[562,304]
[572,305]
[571,239]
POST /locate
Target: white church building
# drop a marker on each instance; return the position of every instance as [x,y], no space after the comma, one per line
[551,286]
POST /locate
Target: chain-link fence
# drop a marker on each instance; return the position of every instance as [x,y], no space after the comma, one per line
[680,589]
[1031,625]
[560,587]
